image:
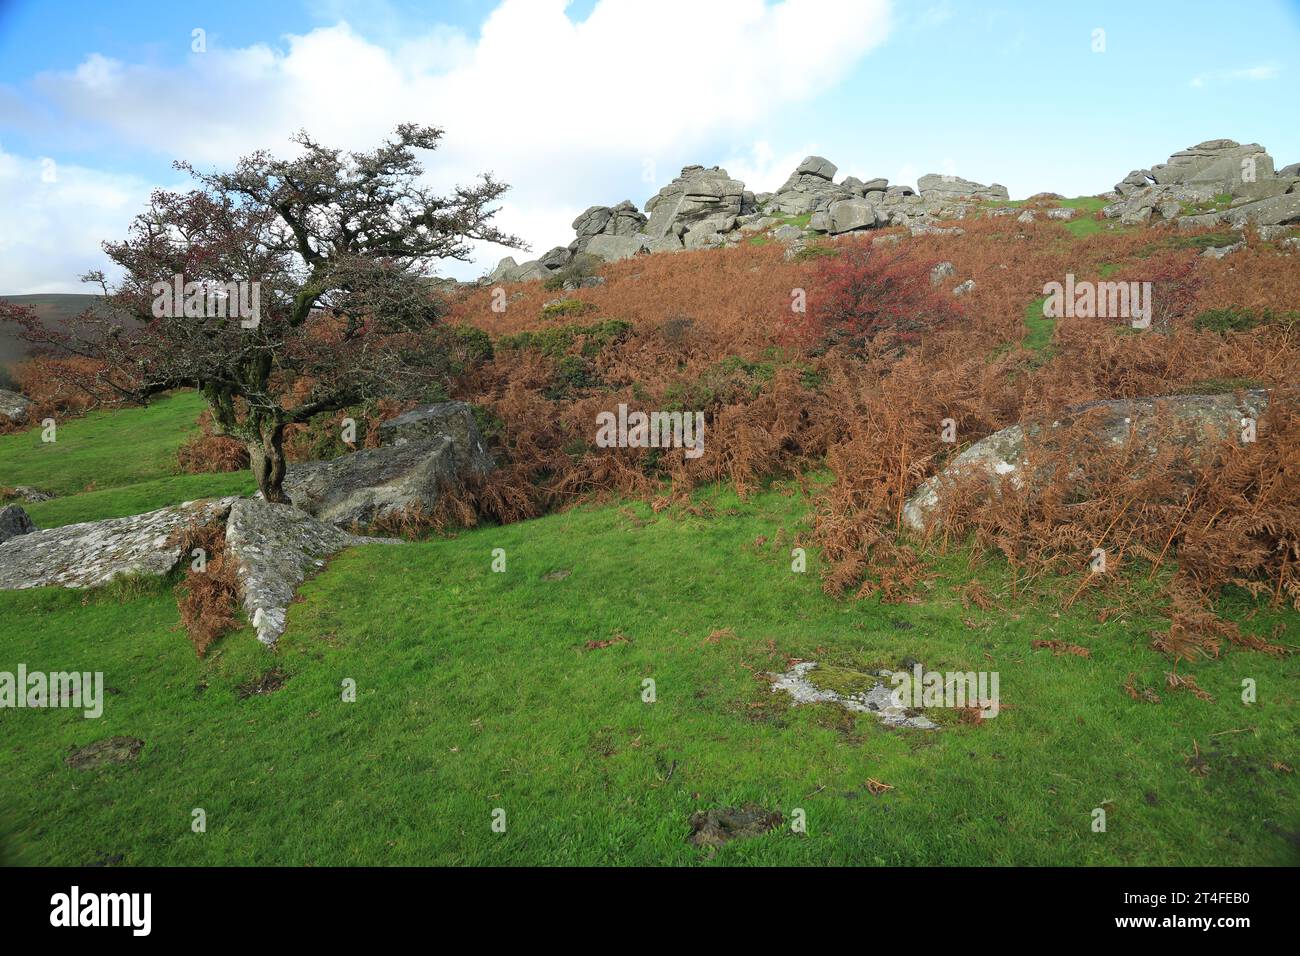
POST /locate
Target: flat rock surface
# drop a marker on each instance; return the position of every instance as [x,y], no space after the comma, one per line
[94,552]
[274,548]
[878,699]
[1198,420]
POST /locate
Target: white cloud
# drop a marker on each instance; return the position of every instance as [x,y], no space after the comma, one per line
[1265,71]
[568,113]
[53,218]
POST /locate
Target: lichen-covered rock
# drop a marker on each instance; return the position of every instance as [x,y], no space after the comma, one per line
[873,696]
[1197,421]
[441,418]
[94,552]
[810,187]
[13,522]
[274,547]
[357,489]
[13,407]
[613,248]
[936,186]
[698,194]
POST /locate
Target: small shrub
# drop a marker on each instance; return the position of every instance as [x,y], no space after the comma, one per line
[867,290]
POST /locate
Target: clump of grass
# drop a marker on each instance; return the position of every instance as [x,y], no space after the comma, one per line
[1233,319]
[556,341]
[566,307]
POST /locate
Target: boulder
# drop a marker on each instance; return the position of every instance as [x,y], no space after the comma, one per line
[273,548]
[810,187]
[935,186]
[1217,161]
[13,407]
[357,489]
[94,552]
[698,194]
[502,272]
[454,419]
[1197,420]
[787,233]
[13,522]
[1278,211]
[942,271]
[621,220]
[556,258]
[846,215]
[613,248]
[962,288]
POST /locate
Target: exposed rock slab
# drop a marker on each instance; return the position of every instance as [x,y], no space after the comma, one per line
[936,186]
[274,547]
[878,699]
[94,552]
[357,489]
[1198,420]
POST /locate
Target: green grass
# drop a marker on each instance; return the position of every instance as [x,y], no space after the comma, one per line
[475,691]
[1038,328]
[127,458]
[106,448]
[137,498]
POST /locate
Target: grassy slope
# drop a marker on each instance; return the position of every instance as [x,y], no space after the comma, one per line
[127,457]
[475,692]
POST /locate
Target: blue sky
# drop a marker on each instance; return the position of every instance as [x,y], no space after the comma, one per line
[601,100]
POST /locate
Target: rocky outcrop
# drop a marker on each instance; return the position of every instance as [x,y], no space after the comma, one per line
[432,451]
[1218,182]
[93,553]
[273,548]
[13,522]
[810,188]
[13,407]
[1197,421]
[933,186]
[703,201]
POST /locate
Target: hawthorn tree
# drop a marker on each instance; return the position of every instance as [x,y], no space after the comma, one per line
[281,290]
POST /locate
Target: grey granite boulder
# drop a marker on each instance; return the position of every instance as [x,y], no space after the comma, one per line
[1197,421]
[936,186]
[94,552]
[13,522]
[613,248]
[847,215]
[809,188]
[696,195]
[13,407]
[455,419]
[357,489]
[273,548]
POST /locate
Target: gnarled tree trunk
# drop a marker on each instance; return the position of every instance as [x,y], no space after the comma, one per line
[266,456]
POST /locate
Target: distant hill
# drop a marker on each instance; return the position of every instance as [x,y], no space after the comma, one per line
[52,308]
